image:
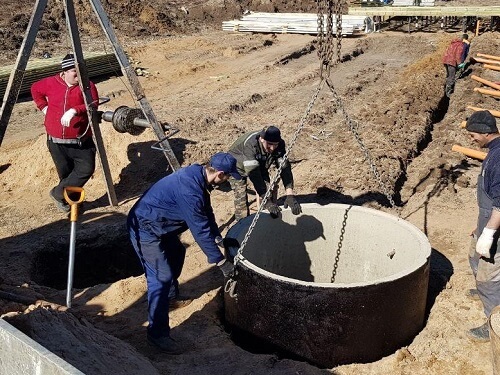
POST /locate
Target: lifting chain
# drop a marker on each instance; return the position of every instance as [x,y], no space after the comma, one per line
[339,245]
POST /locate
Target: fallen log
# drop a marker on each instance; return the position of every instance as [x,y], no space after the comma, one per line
[469,152]
[486,82]
[488,92]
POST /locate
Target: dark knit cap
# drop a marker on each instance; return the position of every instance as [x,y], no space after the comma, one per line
[482,122]
[68,62]
[272,134]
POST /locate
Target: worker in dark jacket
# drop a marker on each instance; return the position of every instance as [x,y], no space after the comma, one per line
[453,59]
[174,204]
[69,136]
[484,257]
[256,152]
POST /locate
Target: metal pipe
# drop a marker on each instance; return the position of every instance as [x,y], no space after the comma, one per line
[108,116]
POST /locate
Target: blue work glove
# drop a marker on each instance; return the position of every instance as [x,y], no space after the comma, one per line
[291,202]
[461,66]
[273,209]
[226,267]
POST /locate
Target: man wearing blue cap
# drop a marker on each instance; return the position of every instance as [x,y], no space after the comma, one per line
[484,257]
[256,152]
[172,205]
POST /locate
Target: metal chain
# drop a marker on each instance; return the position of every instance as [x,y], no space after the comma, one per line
[339,245]
[278,171]
[353,125]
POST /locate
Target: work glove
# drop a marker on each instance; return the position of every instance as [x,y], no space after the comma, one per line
[226,267]
[68,115]
[461,66]
[44,110]
[485,241]
[291,202]
[273,209]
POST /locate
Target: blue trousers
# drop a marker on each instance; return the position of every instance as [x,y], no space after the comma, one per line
[162,259]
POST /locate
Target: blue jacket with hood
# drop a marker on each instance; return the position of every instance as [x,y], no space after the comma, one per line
[175,203]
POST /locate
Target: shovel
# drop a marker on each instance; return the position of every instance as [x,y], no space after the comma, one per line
[73,196]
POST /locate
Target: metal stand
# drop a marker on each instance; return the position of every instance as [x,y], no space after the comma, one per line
[17,74]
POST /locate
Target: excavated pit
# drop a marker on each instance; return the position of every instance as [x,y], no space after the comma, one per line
[284,292]
[97,261]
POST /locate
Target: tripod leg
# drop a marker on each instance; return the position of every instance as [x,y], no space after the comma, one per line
[91,109]
[129,72]
[16,76]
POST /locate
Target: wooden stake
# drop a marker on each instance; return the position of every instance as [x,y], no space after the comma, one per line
[495,93]
[486,61]
[469,152]
[492,111]
[477,27]
[491,57]
[492,67]
[486,82]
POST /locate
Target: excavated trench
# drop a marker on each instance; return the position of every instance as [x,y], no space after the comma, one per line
[97,261]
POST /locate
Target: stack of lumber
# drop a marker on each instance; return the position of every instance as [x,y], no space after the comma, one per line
[97,64]
[294,23]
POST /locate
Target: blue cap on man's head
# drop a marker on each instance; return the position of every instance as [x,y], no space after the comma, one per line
[224,162]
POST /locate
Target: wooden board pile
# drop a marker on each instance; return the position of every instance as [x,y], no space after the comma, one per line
[407,3]
[294,23]
[97,64]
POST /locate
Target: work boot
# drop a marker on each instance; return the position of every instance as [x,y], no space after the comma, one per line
[165,344]
[61,206]
[479,334]
[472,294]
[179,302]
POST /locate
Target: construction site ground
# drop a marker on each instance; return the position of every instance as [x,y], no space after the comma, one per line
[213,86]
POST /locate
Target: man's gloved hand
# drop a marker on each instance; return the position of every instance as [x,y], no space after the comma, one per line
[68,115]
[226,267]
[44,110]
[485,241]
[461,66]
[291,202]
[273,209]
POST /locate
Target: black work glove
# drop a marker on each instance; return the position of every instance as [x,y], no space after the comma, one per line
[273,209]
[291,202]
[226,267]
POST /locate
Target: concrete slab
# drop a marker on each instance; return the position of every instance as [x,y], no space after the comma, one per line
[20,355]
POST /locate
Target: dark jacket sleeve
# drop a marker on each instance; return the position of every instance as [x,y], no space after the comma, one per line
[201,222]
[465,52]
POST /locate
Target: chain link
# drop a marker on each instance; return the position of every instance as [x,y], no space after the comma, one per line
[353,127]
[339,245]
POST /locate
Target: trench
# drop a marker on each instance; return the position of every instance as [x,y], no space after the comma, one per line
[437,114]
[97,261]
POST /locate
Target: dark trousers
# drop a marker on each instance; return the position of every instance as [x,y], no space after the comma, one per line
[451,71]
[74,164]
[162,260]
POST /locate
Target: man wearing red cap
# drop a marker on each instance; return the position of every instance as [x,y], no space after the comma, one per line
[256,152]
[484,257]
[69,136]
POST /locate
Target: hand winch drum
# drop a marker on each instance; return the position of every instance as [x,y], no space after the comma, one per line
[127,120]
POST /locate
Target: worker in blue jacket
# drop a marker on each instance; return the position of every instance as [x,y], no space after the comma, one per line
[172,205]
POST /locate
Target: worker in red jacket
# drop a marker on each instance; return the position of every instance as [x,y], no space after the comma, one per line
[69,136]
[453,59]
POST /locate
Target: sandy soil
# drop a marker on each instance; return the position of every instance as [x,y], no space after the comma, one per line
[213,86]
